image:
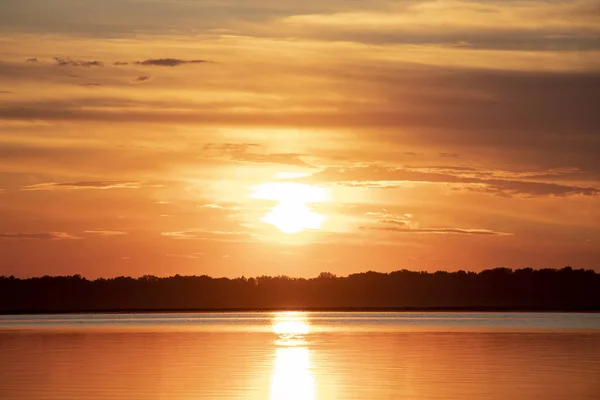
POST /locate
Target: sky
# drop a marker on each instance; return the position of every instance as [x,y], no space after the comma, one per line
[251,137]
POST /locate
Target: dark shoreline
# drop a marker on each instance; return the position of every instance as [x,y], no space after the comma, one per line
[303,309]
[495,290]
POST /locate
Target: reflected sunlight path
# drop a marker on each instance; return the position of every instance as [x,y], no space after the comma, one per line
[292,377]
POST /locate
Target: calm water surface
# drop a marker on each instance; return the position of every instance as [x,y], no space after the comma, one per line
[306,356]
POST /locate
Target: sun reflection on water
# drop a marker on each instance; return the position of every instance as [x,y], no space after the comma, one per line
[292,377]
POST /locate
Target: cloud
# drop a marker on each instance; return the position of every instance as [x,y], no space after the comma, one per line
[192,256]
[6,92]
[126,161]
[402,222]
[423,109]
[169,62]
[213,205]
[62,62]
[32,60]
[141,79]
[391,219]
[449,155]
[84,185]
[37,236]
[275,158]
[449,231]
[456,116]
[505,101]
[220,149]
[463,178]
[480,24]
[200,234]
[463,171]
[120,63]
[90,84]
[254,153]
[447,168]
[521,25]
[101,232]
[531,189]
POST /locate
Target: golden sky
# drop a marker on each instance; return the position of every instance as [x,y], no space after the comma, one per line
[250,137]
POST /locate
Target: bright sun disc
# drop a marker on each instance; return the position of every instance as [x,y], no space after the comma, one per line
[292,214]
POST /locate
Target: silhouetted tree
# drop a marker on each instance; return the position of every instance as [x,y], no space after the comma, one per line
[500,288]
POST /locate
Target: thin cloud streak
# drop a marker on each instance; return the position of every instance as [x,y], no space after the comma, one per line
[38,236]
[101,185]
[106,232]
[168,62]
[200,234]
[449,231]
[392,177]
[63,62]
[141,79]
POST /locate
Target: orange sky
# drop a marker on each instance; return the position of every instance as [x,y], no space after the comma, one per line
[255,137]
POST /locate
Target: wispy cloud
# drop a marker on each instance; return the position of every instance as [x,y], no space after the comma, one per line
[191,256]
[406,224]
[141,79]
[449,155]
[253,153]
[168,62]
[37,236]
[101,232]
[384,217]
[84,185]
[531,25]
[200,234]
[463,178]
[531,189]
[449,231]
[63,62]
[160,62]
[212,205]
[402,222]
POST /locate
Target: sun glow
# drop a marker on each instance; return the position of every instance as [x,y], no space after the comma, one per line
[292,213]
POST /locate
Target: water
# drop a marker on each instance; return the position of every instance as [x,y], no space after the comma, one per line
[308,356]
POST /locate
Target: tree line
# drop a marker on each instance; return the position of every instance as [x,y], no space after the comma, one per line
[493,289]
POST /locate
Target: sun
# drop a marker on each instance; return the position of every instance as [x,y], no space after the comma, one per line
[292,213]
